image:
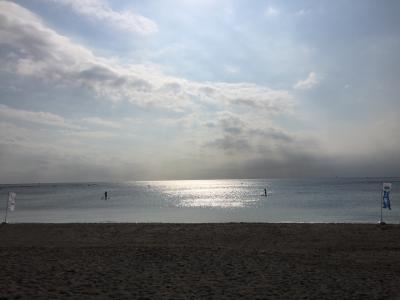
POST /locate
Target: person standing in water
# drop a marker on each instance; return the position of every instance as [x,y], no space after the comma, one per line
[265,192]
[105,195]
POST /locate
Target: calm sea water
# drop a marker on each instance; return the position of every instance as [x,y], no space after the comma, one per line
[288,200]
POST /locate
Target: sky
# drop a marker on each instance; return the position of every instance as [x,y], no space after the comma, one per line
[97,90]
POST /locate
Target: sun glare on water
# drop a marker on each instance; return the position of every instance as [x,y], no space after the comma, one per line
[209,193]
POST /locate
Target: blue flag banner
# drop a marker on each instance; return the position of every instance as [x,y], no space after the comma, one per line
[387,187]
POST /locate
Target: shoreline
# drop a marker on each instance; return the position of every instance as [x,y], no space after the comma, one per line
[200,260]
[201,223]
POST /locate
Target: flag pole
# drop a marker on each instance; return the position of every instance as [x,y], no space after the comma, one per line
[381,222]
[5,217]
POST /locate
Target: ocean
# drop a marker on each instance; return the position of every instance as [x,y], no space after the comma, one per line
[325,200]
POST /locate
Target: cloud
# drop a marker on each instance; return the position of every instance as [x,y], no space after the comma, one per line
[23,125]
[271,133]
[30,117]
[230,144]
[271,12]
[95,121]
[100,11]
[239,134]
[232,124]
[45,163]
[308,83]
[173,118]
[41,146]
[246,95]
[32,50]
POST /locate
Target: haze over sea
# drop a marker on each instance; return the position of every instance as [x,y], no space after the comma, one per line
[185,201]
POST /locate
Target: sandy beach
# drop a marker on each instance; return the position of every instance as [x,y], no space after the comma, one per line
[192,261]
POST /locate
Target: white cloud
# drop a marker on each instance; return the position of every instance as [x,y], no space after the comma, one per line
[244,95]
[307,83]
[100,11]
[23,121]
[95,121]
[34,50]
[40,117]
[271,12]
[33,53]
[44,138]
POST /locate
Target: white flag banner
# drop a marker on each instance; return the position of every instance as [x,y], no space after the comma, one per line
[11,200]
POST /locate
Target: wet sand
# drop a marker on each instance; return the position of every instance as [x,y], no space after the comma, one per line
[192,261]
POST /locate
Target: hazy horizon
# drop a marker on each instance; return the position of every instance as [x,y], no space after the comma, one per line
[97,90]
